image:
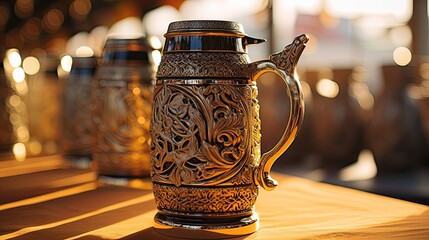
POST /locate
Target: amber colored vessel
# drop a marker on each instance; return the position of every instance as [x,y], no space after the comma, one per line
[78,132]
[122,96]
[206,159]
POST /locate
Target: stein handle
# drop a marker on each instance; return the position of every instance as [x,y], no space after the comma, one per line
[282,64]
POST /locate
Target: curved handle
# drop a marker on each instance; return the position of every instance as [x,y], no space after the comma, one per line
[296,116]
[282,64]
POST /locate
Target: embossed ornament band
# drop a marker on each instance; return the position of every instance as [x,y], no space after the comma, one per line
[210,27]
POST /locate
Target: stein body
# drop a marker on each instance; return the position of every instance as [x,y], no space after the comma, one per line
[122,97]
[205,156]
[78,133]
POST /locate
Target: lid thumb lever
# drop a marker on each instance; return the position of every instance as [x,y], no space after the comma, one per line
[249,40]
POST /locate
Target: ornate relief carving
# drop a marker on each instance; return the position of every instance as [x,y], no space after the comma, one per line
[205,200]
[122,116]
[225,26]
[199,64]
[203,134]
[288,58]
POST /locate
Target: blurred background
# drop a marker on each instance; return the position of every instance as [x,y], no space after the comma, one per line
[364,74]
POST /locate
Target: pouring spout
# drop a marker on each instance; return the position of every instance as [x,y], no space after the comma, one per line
[288,58]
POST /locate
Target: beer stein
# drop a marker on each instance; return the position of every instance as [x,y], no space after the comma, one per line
[122,97]
[206,162]
[78,133]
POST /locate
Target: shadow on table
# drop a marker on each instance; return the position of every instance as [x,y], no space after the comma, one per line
[77,214]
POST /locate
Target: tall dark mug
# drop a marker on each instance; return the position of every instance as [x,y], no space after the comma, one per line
[206,162]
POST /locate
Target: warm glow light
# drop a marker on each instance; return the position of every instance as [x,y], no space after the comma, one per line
[156,56]
[14,101]
[13,57]
[53,20]
[84,51]
[18,75]
[364,97]
[97,38]
[402,56]
[79,9]
[136,91]
[130,27]
[142,139]
[141,120]
[155,42]
[21,87]
[35,147]
[327,88]
[363,169]
[31,65]
[66,63]
[19,151]
[24,8]
[23,134]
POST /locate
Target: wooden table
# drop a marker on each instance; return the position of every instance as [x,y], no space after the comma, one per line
[42,198]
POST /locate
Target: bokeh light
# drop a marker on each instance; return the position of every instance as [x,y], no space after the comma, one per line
[327,88]
[66,63]
[84,51]
[19,151]
[24,8]
[53,20]
[35,147]
[18,75]
[31,65]
[402,56]
[79,9]
[156,56]
[13,57]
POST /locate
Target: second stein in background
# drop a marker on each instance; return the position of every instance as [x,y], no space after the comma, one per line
[122,96]
[78,137]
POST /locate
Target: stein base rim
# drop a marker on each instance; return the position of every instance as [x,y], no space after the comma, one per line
[206,230]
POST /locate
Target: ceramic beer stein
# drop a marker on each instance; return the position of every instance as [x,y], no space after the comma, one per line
[122,97]
[206,163]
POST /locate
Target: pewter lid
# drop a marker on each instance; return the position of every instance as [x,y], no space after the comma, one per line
[214,26]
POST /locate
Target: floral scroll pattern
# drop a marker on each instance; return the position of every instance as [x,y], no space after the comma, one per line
[203,134]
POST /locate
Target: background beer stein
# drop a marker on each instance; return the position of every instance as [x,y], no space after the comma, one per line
[78,133]
[122,95]
[206,160]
